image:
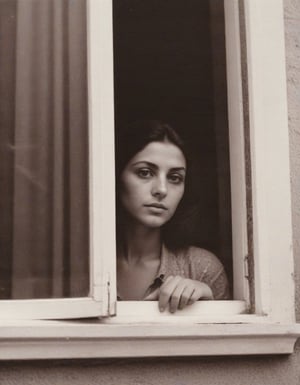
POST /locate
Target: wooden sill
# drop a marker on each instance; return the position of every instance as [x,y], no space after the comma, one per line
[93,339]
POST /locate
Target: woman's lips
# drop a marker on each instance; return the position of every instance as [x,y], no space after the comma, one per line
[156,206]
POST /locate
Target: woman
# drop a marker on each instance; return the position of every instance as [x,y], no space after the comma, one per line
[151,178]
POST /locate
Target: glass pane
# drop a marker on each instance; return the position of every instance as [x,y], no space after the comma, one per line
[44,222]
[170,66]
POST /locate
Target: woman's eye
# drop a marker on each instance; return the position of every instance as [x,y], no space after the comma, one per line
[176,178]
[144,173]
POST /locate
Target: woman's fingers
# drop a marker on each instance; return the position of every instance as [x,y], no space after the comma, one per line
[166,291]
[182,294]
[177,292]
[177,296]
[186,297]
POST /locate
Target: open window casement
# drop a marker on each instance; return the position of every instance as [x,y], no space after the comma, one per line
[260,319]
[58,238]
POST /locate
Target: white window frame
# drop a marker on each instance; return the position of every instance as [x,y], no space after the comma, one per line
[101,189]
[207,328]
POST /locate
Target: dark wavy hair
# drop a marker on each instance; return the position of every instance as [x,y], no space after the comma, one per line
[130,140]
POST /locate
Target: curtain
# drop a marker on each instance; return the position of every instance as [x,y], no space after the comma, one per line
[44,145]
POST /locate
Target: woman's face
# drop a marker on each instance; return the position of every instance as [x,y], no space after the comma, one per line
[152,183]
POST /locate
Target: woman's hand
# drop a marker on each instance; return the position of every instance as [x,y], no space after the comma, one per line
[178,292]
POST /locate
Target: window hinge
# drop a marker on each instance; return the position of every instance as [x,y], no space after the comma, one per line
[108,296]
[246,266]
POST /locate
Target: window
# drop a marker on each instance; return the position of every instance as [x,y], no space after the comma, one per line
[168,72]
[269,326]
[46,226]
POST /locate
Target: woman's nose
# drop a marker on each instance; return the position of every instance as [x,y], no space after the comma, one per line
[159,188]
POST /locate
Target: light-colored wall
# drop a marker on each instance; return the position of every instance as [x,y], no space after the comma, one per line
[268,370]
[196,371]
[292,25]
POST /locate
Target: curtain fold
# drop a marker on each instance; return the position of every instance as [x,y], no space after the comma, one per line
[7,97]
[49,167]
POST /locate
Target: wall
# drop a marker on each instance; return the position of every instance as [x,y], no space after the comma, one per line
[213,371]
[292,25]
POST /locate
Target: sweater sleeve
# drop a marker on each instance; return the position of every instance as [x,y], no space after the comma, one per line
[207,268]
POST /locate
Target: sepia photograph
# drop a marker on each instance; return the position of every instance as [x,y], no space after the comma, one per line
[149,192]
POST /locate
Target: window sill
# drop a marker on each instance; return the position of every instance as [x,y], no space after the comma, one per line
[94,339]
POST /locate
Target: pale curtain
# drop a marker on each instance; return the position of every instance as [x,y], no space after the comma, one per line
[46,153]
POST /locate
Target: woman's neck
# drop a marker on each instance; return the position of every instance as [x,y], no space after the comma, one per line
[141,243]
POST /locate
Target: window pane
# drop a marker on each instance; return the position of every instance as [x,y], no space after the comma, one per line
[170,65]
[44,232]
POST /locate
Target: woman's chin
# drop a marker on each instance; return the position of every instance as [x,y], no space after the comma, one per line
[150,221]
[153,222]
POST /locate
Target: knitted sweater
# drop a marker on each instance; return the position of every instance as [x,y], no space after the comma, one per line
[194,263]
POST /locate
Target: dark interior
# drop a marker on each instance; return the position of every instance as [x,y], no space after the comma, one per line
[169,59]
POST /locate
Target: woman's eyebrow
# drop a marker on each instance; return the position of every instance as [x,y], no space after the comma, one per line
[178,169]
[150,164]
